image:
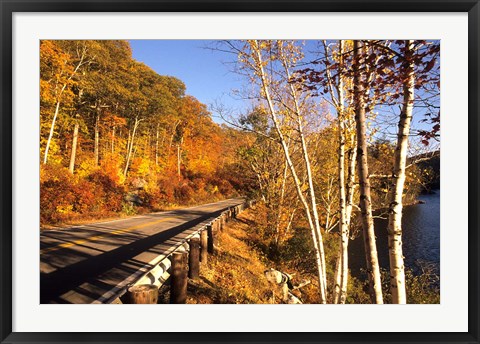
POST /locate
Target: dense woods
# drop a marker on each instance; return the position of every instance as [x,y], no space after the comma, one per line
[117,137]
[328,140]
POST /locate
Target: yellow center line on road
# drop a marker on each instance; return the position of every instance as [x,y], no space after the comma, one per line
[97,237]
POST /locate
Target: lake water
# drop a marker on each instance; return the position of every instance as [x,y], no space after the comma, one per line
[421,237]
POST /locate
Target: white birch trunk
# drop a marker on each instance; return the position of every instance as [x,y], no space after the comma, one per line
[351,177]
[52,128]
[57,106]
[341,270]
[343,226]
[129,153]
[280,206]
[397,268]
[337,280]
[97,138]
[156,147]
[74,148]
[373,269]
[178,160]
[265,87]
[306,159]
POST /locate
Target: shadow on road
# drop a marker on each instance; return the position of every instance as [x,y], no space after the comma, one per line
[86,276]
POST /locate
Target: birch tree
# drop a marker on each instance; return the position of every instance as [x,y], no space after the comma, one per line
[397,267]
[269,64]
[336,81]
[74,146]
[337,94]
[68,67]
[373,268]
[408,78]
[405,66]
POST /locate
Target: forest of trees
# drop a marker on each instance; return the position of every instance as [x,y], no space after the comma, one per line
[116,137]
[318,150]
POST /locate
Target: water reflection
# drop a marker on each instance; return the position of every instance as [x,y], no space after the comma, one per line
[421,237]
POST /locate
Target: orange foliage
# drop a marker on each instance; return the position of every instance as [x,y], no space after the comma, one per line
[65,197]
[111,167]
[123,110]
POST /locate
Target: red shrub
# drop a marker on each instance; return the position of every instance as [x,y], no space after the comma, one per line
[184,193]
[56,194]
[111,192]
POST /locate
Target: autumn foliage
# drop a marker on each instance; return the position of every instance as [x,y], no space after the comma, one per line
[116,137]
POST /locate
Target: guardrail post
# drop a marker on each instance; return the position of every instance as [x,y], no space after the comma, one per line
[178,287]
[143,294]
[194,258]
[203,246]
[220,223]
[210,246]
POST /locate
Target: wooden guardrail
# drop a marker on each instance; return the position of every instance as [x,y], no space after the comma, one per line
[181,262]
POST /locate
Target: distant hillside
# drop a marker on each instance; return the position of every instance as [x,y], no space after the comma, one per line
[429,160]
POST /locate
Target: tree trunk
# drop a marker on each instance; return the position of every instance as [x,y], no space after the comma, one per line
[97,137]
[371,256]
[280,207]
[57,106]
[306,159]
[337,279]
[129,138]
[147,148]
[178,160]
[130,146]
[341,276]
[52,128]
[352,157]
[313,202]
[113,140]
[156,147]
[343,227]
[397,268]
[74,147]
[313,228]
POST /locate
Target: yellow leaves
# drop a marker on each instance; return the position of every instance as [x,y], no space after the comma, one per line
[64,209]
[86,167]
[115,90]
[264,45]
[143,167]
[111,165]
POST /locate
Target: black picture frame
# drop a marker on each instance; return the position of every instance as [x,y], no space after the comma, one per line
[8,7]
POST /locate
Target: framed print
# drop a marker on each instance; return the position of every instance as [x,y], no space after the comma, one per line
[239,172]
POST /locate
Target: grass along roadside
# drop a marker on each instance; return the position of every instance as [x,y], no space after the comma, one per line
[234,274]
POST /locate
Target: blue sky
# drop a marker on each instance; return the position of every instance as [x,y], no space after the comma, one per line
[202,70]
[205,72]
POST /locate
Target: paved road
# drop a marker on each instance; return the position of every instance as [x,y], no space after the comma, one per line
[92,263]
